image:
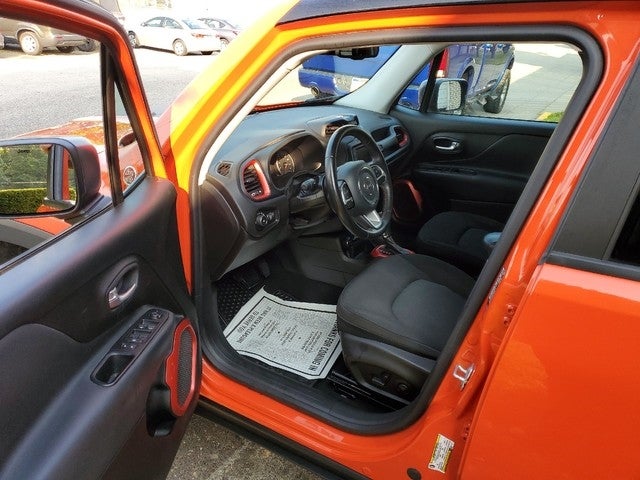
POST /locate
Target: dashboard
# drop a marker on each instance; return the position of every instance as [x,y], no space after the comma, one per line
[266,182]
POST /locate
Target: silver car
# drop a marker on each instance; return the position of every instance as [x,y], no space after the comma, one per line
[223,29]
[34,38]
[182,35]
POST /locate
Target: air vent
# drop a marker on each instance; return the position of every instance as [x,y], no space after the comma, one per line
[254,181]
[224,168]
[401,136]
[331,127]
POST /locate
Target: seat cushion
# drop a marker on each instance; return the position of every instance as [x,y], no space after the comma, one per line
[411,302]
[458,238]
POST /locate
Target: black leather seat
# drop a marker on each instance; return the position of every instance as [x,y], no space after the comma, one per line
[395,318]
[458,239]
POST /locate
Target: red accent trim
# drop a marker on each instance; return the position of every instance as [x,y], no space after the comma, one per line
[444,63]
[172,365]
[262,178]
[378,252]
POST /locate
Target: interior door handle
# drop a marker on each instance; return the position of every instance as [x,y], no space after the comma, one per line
[124,286]
[448,148]
[447,144]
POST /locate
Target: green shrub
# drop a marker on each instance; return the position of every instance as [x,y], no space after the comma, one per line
[21,201]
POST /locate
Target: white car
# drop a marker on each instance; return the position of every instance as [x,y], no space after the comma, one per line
[182,35]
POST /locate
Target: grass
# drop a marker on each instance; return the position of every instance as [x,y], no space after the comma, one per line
[551,117]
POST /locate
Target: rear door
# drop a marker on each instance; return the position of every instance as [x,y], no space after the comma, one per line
[99,352]
[562,393]
[479,162]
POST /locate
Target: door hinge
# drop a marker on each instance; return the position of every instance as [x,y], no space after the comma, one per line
[463,374]
[509,313]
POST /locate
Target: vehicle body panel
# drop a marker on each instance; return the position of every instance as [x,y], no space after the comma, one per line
[556,392]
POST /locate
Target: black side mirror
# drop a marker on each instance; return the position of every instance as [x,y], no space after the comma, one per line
[48,176]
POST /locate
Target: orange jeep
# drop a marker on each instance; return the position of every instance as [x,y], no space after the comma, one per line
[384,290]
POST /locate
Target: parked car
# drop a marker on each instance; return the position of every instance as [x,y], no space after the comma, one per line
[182,35]
[34,38]
[223,29]
[251,268]
[485,67]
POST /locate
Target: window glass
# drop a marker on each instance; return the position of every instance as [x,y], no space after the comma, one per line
[523,81]
[332,74]
[50,89]
[154,22]
[171,23]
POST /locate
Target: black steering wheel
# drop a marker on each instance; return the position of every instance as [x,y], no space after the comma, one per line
[358,191]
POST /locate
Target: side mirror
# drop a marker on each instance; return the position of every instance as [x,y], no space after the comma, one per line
[48,176]
[449,96]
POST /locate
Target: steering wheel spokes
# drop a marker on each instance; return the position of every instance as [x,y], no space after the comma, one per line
[359,192]
[371,219]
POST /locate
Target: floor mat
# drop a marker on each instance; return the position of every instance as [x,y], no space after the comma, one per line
[297,337]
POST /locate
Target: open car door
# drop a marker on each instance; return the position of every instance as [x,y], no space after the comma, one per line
[98,344]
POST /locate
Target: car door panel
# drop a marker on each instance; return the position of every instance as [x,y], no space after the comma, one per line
[63,416]
[474,164]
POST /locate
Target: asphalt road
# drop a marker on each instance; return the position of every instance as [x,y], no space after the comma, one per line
[210,451]
[76,76]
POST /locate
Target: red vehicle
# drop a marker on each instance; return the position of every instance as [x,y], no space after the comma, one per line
[234,273]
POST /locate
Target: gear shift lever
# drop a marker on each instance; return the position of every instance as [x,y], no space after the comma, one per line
[388,246]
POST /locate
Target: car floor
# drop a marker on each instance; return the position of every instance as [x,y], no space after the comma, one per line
[238,287]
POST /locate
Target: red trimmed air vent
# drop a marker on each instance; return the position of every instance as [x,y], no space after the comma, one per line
[254,181]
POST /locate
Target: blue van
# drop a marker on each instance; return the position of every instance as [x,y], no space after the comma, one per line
[486,67]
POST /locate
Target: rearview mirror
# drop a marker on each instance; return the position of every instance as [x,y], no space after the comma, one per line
[48,176]
[449,96]
[357,53]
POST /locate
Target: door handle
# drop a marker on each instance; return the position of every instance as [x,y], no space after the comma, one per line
[447,145]
[448,148]
[124,286]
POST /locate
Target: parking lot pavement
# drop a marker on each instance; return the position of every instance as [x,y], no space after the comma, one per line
[212,452]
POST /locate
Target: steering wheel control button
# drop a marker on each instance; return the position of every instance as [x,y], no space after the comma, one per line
[368,186]
[347,198]
[379,173]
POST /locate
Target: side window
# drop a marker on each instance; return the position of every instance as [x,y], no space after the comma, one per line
[154,22]
[170,23]
[522,81]
[51,95]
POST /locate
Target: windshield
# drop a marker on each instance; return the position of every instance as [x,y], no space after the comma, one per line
[329,75]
